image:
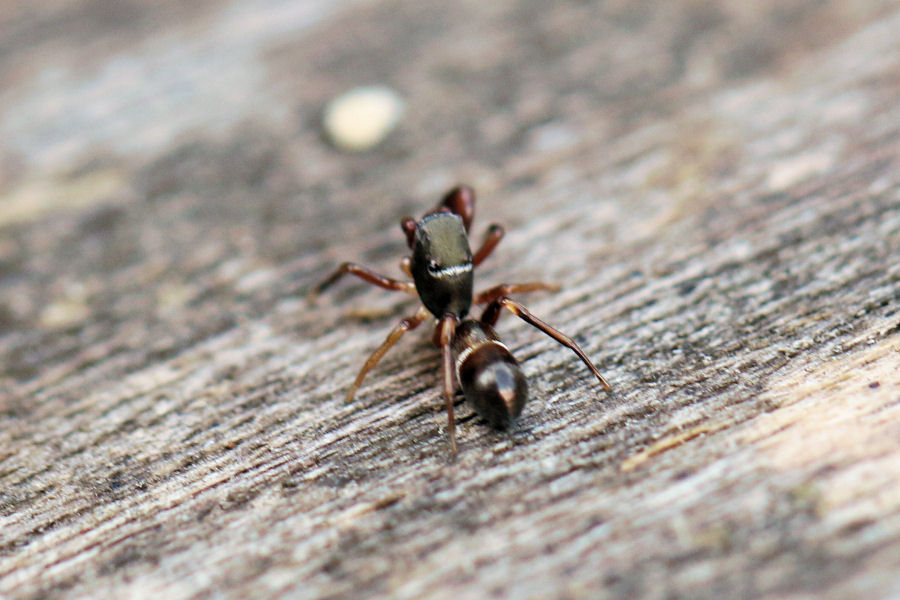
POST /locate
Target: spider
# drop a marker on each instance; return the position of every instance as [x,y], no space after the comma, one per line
[441,268]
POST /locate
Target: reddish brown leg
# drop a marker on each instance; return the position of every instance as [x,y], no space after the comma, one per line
[504,289]
[408,225]
[492,313]
[396,333]
[365,274]
[461,201]
[491,238]
[444,336]
[406,266]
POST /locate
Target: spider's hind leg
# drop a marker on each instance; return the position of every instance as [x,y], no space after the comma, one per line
[492,313]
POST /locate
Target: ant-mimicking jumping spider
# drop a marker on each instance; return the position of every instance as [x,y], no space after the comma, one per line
[441,268]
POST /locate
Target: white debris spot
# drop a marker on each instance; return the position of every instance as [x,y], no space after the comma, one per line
[64,313]
[797,168]
[553,137]
[68,310]
[173,296]
[362,117]
[255,280]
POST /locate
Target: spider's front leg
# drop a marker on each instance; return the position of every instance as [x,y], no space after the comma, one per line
[492,237]
[367,275]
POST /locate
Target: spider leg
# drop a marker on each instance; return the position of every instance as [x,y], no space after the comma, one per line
[406,266]
[365,274]
[505,289]
[460,201]
[444,336]
[492,313]
[492,237]
[393,337]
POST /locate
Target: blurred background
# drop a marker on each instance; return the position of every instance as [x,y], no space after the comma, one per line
[153,151]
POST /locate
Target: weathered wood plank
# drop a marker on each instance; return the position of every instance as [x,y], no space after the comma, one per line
[715,184]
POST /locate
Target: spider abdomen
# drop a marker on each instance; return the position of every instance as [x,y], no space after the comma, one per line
[489,374]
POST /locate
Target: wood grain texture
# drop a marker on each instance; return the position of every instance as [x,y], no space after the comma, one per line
[715,184]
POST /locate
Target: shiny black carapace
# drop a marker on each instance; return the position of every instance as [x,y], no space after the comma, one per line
[441,268]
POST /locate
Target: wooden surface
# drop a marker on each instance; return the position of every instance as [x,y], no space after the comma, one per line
[715,184]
